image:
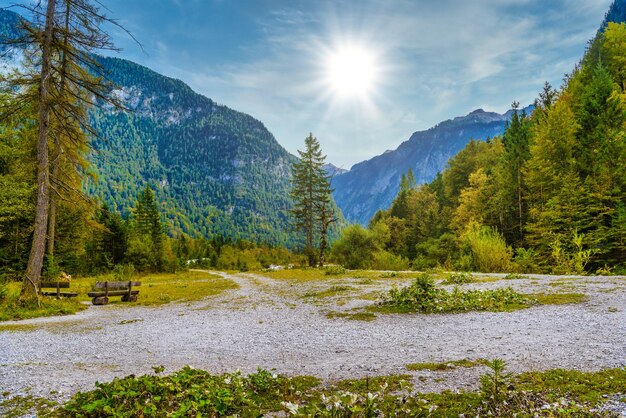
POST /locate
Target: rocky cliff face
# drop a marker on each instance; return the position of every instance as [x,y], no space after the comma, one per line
[373,184]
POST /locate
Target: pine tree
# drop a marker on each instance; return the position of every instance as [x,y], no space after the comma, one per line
[309,191]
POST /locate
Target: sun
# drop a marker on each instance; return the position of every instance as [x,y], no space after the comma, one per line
[351,71]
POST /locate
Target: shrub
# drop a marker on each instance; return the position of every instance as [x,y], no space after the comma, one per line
[488,248]
[526,261]
[355,249]
[570,259]
[384,260]
[123,272]
[334,270]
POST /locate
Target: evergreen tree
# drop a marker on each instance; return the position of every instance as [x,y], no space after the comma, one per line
[516,141]
[58,78]
[148,229]
[310,190]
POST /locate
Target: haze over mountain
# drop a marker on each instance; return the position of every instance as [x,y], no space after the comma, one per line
[373,184]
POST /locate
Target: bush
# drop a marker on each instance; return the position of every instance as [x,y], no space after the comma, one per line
[355,249]
[383,260]
[488,248]
[123,272]
[334,270]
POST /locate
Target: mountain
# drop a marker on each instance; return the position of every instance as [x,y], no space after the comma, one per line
[215,171]
[333,170]
[373,184]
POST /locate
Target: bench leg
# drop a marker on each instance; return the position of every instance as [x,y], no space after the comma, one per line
[131,298]
[100,300]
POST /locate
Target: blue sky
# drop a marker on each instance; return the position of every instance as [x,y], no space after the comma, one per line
[434,59]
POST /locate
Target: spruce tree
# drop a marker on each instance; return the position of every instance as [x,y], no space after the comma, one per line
[310,189]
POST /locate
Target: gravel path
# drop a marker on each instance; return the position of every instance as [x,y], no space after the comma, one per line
[272,324]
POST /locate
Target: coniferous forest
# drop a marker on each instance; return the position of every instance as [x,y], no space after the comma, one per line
[547,196]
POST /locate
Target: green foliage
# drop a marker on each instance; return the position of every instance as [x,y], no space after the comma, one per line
[495,385]
[556,173]
[356,248]
[459,278]
[384,260]
[189,392]
[488,249]
[123,272]
[334,270]
[572,261]
[424,296]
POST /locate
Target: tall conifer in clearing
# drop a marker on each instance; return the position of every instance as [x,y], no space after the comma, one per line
[311,196]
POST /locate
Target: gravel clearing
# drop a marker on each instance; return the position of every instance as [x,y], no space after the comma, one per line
[272,324]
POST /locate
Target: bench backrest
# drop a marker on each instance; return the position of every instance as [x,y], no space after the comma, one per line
[116,285]
[62,285]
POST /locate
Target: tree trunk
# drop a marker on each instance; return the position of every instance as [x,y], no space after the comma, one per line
[35,260]
[52,221]
[56,154]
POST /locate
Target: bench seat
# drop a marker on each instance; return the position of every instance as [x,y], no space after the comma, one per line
[60,294]
[112,293]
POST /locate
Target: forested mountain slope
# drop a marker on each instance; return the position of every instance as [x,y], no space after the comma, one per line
[216,171]
[373,184]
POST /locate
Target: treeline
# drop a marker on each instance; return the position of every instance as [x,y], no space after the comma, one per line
[547,196]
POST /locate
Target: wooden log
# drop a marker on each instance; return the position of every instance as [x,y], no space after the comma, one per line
[100,300]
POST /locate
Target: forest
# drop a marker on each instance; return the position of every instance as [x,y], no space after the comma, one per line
[547,196]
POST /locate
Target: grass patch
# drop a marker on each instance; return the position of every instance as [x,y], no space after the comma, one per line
[358,316]
[330,292]
[559,298]
[156,289]
[446,365]
[14,308]
[24,406]
[189,392]
[162,288]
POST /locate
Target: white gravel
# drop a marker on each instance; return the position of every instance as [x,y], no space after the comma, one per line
[267,323]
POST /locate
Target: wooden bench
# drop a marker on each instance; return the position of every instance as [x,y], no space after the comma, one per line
[123,289]
[57,286]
